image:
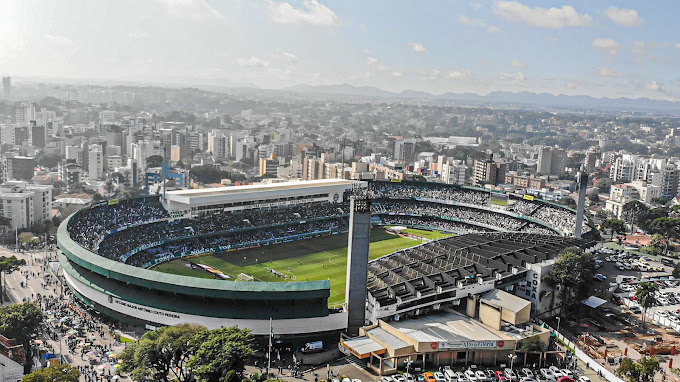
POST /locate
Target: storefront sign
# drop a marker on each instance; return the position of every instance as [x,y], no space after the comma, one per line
[468,345]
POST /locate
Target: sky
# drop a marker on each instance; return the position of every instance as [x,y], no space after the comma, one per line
[603,48]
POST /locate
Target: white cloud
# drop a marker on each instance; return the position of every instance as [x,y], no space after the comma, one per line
[654,86]
[606,44]
[571,85]
[677,45]
[458,74]
[606,72]
[417,47]
[517,64]
[397,74]
[311,12]
[492,29]
[253,62]
[554,18]
[366,51]
[514,78]
[638,47]
[471,22]
[625,17]
[375,63]
[290,56]
[195,10]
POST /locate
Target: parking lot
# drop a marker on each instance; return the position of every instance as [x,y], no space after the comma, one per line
[616,330]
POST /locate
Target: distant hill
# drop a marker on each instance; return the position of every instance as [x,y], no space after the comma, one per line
[521,98]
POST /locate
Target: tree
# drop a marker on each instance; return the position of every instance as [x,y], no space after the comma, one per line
[49,160]
[666,226]
[8,265]
[645,297]
[22,322]
[658,245]
[220,351]
[109,187]
[572,276]
[154,161]
[658,201]
[161,353]
[594,197]
[56,373]
[604,185]
[567,201]
[643,370]
[633,211]
[531,344]
[615,225]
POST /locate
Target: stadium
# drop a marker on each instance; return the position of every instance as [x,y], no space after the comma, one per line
[194,255]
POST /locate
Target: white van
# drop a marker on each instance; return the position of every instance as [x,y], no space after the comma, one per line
[450,376]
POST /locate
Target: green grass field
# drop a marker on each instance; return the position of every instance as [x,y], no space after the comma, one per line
[312,259]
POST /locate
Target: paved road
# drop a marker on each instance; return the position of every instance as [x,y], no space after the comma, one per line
[38,280]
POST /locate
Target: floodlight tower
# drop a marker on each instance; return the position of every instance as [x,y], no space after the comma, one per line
[357,260]
[582,185]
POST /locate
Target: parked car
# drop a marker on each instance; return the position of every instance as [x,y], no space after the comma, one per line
[429,377]
[450,375]
[386,379]
[556,370]
[409,377]
[510,375]
[481,376]
[470,375]
[549,374]
[439,377]
[567,373]
[583,378]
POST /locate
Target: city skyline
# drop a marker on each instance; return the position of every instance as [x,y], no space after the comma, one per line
[612,49]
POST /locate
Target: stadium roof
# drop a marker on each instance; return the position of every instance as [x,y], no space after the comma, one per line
[258,187]
[444,265]
[182,200]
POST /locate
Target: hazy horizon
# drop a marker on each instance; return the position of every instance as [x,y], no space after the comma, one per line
[616,49]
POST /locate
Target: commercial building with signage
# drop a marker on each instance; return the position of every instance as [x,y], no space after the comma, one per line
[492,327]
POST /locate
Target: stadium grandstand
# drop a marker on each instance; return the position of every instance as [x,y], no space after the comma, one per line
[439,273]
[108,248]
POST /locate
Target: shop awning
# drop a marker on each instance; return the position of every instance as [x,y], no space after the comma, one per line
[362,347]
[594,302]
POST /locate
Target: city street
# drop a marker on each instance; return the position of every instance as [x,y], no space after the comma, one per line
[60,333]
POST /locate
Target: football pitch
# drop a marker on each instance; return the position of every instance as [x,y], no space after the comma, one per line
[304,260]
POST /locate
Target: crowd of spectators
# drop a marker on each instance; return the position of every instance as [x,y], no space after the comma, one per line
[464,214]
[120,243]
[430,191]
[88,225]
[523,207]
[558,218]
[536,229]
[423,221]
[234,239]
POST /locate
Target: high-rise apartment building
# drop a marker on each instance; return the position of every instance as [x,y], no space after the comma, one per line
[550,161]
[489,172]
[404,150]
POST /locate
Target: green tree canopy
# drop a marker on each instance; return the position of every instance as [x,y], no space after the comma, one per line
[572,276]
[162,353]
[604,185]
[21,322]
[643,370]
[668,227]
[49,160]
[57,373]
[568,202]
[615,225]
[645,296]
[220,351]
[154,161]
